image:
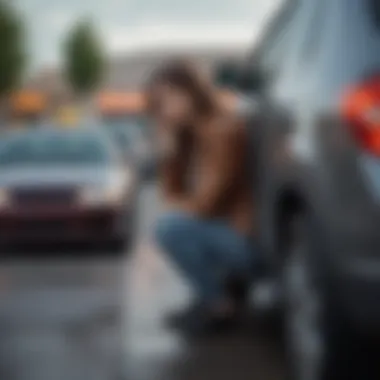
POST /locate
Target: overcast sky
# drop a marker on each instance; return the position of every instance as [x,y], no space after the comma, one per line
[127,25]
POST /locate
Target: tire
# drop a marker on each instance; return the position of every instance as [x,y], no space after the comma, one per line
[319,343]
[117,246]
[124,243]
[237,289]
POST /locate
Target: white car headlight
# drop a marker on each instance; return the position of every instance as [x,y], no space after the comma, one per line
[4,198]
[93,196]
[113,193]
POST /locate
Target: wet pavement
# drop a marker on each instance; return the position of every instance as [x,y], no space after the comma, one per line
[104,319]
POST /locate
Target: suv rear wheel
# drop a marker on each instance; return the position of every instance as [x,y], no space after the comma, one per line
[319,344]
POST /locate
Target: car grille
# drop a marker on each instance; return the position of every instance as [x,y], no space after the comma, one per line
[45,197]
[42,226]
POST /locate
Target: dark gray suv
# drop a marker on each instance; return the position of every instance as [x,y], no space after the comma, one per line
[316,164]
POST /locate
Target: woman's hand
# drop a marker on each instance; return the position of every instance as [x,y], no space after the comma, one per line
[167,142]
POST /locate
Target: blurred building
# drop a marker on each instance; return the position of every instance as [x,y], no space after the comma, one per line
[51,82]
[129,72]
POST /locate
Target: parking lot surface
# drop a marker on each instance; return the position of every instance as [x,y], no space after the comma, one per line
[70,318]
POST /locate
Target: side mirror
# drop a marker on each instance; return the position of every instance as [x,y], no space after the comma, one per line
[236,77]
[251,80]
[227,75]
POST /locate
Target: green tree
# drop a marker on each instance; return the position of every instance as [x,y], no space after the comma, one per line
[84,58]
[12,49]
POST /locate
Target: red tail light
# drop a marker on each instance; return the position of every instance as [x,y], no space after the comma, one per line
[361,108]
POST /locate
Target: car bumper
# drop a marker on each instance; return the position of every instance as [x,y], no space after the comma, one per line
[51,225]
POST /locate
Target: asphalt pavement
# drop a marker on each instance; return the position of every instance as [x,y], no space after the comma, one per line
[103,319]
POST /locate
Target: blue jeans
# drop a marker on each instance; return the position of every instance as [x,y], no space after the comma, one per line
[206,251]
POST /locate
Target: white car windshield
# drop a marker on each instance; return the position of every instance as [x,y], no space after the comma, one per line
[54,148]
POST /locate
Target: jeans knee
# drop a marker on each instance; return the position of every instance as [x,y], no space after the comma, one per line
[172,229]
[166,230]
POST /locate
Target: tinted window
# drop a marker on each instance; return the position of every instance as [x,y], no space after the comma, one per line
[314,30]
[271,53]
[375,11]
[278,25]
[49,149]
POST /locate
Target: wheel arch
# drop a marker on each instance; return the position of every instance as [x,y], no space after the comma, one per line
[289,204]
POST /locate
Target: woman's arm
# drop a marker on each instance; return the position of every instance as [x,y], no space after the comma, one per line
[222,169]
[173,166]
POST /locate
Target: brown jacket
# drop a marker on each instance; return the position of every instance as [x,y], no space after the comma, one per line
[216,158]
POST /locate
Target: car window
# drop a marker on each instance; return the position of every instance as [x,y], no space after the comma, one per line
[375,12]
[313,34]
[53,149]
[269,56]
[125,133]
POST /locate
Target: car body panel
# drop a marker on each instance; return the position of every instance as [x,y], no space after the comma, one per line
[306,148]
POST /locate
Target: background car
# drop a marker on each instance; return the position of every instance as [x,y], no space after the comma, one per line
[316,169]
[135,139]
[66,185]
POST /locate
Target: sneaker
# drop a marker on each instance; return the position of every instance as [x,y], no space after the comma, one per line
[237,289]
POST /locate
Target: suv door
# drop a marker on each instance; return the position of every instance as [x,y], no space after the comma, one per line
[272,61]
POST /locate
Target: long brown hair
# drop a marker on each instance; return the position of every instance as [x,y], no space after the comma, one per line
[186,76]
